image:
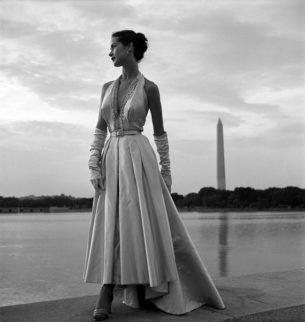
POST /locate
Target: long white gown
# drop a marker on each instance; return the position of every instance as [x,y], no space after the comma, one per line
[136,235]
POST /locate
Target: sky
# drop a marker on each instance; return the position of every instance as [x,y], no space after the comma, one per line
[238,60]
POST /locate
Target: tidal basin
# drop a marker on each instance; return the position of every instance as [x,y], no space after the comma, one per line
[42,255]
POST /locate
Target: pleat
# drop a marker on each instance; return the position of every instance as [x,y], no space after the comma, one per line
[134,268]
[93,271]
[147,254]
[100,249]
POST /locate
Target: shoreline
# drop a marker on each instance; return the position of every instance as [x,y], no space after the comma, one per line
[180,210]
[203,209]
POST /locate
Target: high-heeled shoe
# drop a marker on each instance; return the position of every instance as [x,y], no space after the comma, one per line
[100,314]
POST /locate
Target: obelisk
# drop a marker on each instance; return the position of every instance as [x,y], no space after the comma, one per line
[221,175]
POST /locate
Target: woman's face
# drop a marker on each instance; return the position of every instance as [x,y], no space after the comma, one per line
[118,52]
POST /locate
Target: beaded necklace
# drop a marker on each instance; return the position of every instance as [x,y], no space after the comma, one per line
[118,111]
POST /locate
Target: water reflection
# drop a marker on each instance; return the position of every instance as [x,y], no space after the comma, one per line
[223,248]
[232,244]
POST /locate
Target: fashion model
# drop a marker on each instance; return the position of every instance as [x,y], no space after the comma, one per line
[138,247]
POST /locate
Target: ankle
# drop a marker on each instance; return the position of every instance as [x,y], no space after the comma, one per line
[107,290]
[108,287]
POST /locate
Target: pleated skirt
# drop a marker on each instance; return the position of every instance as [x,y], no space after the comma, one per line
[136,236]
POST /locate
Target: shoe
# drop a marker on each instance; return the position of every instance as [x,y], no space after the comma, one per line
[100,314]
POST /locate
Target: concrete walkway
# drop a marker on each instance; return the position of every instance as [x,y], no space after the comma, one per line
[276,296]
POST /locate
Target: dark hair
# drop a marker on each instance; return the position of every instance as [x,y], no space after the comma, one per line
[138,40]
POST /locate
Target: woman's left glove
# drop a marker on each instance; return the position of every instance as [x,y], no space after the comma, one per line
[95,158]
[163,151]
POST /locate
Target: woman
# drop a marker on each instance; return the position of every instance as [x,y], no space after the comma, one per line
[138,245]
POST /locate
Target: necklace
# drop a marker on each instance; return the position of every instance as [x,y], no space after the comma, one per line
[118,109]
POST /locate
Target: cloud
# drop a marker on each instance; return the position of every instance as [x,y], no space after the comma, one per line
[54,60]
[283,136]
[44,137]
[212,116]
[44,158]
[219,49]
[242,61]
[53,64]
[97,11]
[216,42]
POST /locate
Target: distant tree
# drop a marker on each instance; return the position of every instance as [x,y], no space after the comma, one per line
[245,196]
[10,202]
[224,196]
[205,194]
[191,200]
[178,199]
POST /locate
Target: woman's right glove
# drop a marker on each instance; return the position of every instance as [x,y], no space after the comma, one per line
[95,158]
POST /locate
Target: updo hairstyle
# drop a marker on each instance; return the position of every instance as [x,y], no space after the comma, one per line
[138,40]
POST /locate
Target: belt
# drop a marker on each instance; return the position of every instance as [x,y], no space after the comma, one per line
[121,132]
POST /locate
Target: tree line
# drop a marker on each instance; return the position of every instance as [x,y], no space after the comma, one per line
[207,197]
[243,197]
[46,202]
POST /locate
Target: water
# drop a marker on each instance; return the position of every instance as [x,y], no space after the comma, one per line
[42,255]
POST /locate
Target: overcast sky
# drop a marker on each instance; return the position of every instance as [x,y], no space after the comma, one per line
[242,61]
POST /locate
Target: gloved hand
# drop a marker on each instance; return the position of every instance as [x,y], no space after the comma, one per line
[95,158]
[163,151]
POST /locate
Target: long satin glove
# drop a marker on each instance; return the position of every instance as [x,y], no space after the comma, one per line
[95,158]
[163,151]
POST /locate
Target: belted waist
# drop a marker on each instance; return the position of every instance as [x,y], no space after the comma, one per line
[115,133]
[121,132]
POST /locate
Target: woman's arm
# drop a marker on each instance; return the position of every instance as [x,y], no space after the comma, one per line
[101,123]
[160,136]
[99,137]
[154,104]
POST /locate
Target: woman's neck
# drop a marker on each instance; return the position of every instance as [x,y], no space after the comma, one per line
[130,71]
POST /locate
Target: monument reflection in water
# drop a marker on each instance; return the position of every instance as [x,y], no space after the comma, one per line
[240,243]
[223,245]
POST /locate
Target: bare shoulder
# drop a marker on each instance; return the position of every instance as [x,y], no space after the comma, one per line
[150,87]
[104,89]
[106,85]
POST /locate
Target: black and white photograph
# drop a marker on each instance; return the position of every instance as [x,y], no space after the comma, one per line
[152,160]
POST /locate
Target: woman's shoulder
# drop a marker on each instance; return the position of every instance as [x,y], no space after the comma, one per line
[106,85]
[104,88]
[150,87]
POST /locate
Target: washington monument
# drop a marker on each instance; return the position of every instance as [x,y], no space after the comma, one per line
[221,175]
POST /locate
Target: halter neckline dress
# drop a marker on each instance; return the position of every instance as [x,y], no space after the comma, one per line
[136,235]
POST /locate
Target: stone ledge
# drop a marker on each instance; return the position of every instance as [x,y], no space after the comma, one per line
[274,296]
[294,313]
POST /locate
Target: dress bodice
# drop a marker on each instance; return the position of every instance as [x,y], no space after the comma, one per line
[132,115]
